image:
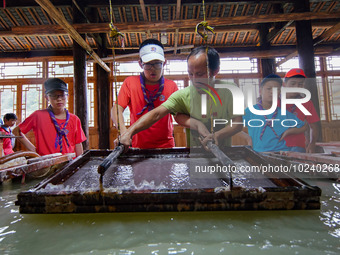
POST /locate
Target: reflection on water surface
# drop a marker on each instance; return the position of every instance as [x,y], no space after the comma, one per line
[255,232]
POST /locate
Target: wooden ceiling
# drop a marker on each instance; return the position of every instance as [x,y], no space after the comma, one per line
[27,30]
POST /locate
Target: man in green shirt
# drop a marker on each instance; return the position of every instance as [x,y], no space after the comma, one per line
[186,104]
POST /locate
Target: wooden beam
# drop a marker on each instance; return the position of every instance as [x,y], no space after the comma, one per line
[294,53]
[178,9]
[223,22]
[80,11]
[131,55]
[98,28]
[104,3]
[142,6]
[176,41]
[94,27]
[278,30]
[60,19]
[237,52]
[326,34]
[272,53]
[290,56]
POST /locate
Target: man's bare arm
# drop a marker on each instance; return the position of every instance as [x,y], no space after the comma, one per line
[79,149]
[120,115]
[192,123]
[314,135]
[294,131]
[229,130]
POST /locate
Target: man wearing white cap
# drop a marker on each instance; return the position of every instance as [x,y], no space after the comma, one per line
[145,92]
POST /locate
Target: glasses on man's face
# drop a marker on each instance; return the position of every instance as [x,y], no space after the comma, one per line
[157,65]
[56,97]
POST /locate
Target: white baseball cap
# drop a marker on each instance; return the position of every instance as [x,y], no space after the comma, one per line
[151,52]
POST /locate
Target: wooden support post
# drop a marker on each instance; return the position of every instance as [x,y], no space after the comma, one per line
[304,40]
[80,79]
[103,99]
[267,64]
[325,88]
[304,43]
[102,88]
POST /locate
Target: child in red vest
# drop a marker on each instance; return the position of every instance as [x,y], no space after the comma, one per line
[145,92]
[5,129]
[55,129]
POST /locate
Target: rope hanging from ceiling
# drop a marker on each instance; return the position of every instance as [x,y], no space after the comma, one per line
[115,35]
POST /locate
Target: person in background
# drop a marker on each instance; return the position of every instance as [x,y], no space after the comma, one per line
[5,129]
[185,104]
[145,92]
[270,135]
[295,78]
[55,129]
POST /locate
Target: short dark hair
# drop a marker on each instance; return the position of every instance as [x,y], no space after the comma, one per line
[271,77]
[10,116]
[295,76]
[151,41]
[213,56]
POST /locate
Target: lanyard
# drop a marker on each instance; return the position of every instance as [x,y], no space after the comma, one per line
[60,131]
[267,122]
[149,101]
